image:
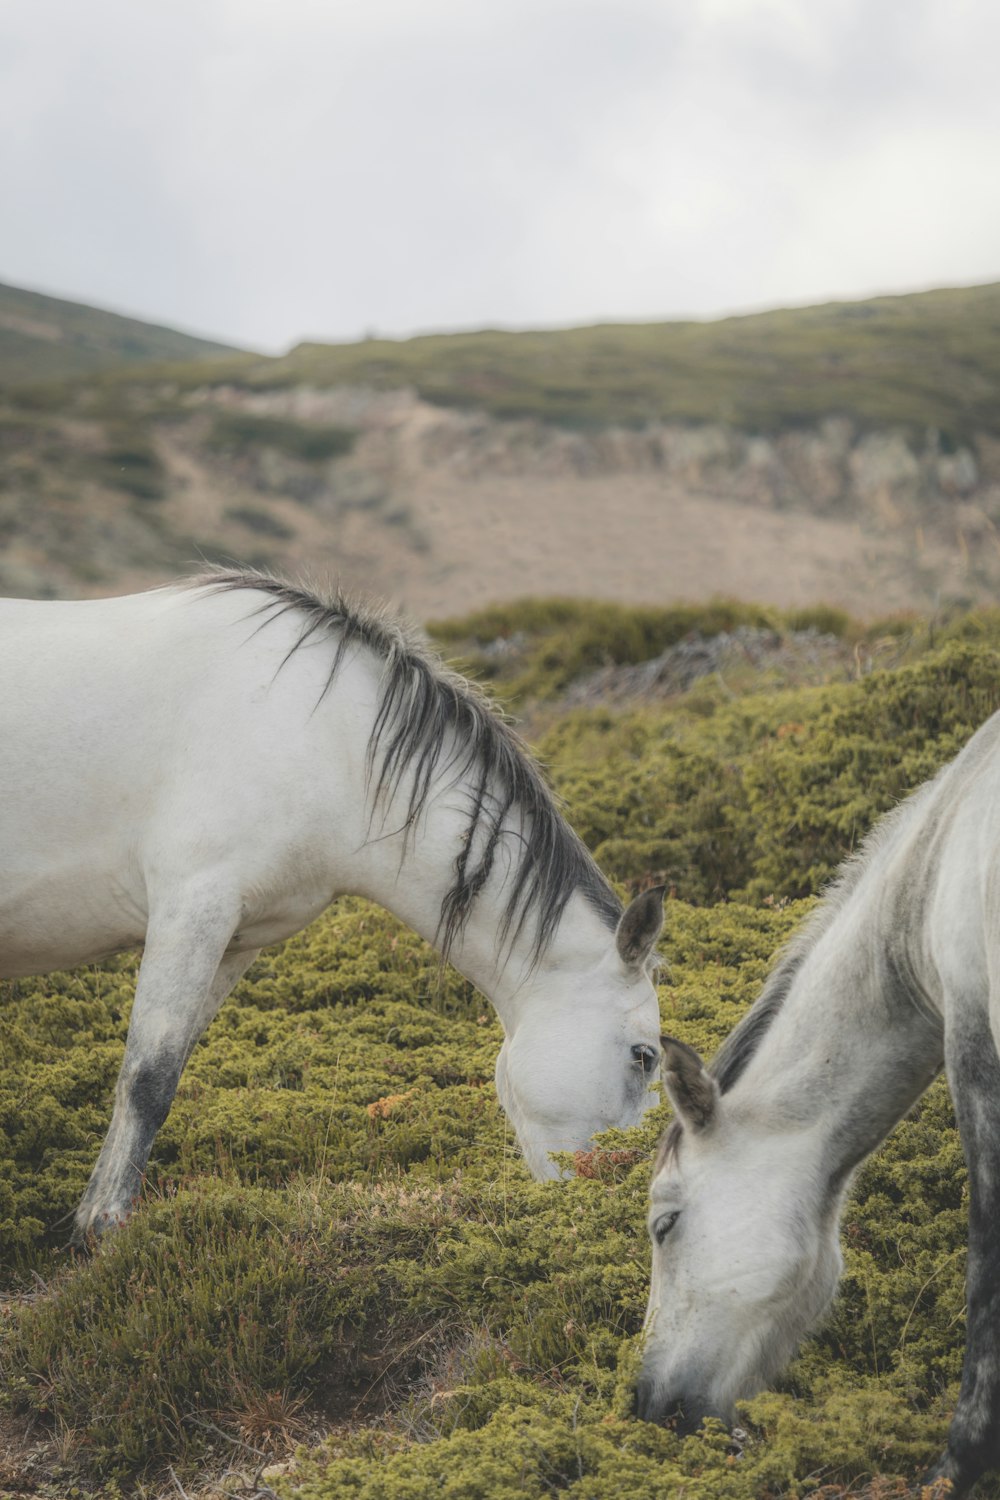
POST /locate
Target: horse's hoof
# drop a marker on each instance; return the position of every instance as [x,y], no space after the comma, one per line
[944,1481]
[83,1240]
[89,1230]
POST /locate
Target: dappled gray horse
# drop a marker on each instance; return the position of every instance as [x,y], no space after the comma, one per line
[896,973]
[203,768]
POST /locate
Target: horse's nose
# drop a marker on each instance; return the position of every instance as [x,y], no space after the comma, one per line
[685,1413]
[689,1414]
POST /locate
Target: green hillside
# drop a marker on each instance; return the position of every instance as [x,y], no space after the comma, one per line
[924,360]
[929,359]
[340,1249]
[45,338]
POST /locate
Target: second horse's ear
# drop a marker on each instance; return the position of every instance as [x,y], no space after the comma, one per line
[690,1087]
[640,927]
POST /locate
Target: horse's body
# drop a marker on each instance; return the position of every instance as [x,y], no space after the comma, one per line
[202,769]
[897,973]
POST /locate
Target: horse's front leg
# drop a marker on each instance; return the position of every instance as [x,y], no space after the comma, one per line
[184,977]
[973,1069]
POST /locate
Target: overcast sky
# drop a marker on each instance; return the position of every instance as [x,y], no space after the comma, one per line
[271,170]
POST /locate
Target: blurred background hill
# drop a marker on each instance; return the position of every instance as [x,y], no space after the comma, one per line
[848,452]
[47,338]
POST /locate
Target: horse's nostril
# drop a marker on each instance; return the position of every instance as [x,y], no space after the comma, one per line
[687,1418]
[673,1414]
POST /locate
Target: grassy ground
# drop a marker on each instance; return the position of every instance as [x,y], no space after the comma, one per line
[47,338]
[342,1281]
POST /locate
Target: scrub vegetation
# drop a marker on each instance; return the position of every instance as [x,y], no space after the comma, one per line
[342,1281]
[235,431]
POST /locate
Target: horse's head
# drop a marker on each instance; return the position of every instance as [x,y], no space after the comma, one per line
[745,1249]
[584,1052]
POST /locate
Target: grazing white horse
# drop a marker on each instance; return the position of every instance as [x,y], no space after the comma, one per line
[203,768]
[897,973]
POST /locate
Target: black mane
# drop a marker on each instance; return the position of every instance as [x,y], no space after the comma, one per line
[431,721]
[742,1042]
[733,1056]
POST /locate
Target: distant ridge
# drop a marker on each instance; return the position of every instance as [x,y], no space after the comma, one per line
[848,453]
[46,338]
[919,360]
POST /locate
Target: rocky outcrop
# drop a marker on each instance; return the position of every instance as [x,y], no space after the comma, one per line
[440,509]
[882,478]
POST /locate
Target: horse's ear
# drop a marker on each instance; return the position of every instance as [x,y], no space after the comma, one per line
[690,1087]
[639,928]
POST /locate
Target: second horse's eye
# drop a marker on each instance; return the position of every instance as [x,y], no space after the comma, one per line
[663,1226]
[646,1056]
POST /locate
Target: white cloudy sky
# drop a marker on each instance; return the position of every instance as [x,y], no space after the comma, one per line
[269,170]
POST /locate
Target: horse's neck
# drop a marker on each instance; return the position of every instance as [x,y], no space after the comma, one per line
[852,1047]
[411,875]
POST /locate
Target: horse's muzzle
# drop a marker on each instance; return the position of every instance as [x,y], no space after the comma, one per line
[684,1413]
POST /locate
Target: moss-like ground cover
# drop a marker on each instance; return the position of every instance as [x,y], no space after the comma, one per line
[339,1246]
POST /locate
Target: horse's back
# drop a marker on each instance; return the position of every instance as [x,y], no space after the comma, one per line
[117,698]
[87,689]
[138,737]
[133,672]
[56,654]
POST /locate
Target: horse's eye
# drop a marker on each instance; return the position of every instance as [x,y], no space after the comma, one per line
[646,1056]
[663,1226]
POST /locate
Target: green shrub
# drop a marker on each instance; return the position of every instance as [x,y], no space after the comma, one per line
[128,462]
[280,1084]
[233,431]
[558,640]
[812,795]
[652,811]
[216,1303]
[764,796]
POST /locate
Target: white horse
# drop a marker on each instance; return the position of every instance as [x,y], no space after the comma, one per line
[897,973]
[203,768]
